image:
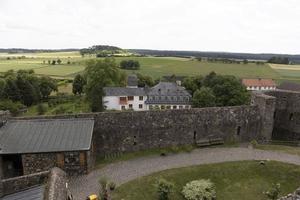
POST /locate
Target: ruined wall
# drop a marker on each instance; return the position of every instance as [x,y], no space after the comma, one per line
[287,115]
[20,183]
[71,162]
[56,186]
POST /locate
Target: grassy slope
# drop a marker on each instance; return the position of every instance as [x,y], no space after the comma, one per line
[234,181]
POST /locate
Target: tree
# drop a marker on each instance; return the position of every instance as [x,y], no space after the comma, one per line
[130,64]
[11,90]
[78,84]
[144,80]
[274,192]
[209,80]
[59,61]
[98,74]
[279,60]
[28,94]
[53,62]
[193,83]
[47,85]
[2,87]
[245,61]
[203,98]
[163,188]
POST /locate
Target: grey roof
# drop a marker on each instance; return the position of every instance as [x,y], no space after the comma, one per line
[46,135]
[289,86]
[168,93]
[35,193]
[124,91]
[132,80]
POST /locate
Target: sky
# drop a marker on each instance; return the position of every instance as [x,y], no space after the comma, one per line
[252,26]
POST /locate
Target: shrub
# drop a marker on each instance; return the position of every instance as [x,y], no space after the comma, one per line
[41,108]
[163,188]
[254,143]
[175,149]
[274,192]
[12,107]
[60,110]
[199,190]
[112,185]
[103,193]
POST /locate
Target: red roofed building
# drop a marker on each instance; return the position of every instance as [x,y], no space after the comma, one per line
[259,84]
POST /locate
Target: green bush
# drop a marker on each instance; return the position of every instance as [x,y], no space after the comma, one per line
[254,143]
[41,108]
[103,193]
[111,185]
[12,107]
[163,188]
[199,190]
[60,110]
[274,192]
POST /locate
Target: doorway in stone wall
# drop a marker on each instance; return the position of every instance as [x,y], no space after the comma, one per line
[12,165]
[195,137]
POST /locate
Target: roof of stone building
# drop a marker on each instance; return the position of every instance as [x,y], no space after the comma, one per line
[132,80]
[289,86]
[168,93]
[34,193]
[124,91]
[259,82]
[46,135]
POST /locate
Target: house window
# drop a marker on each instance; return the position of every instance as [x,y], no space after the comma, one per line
[162,107]
[130,98]
[82,159]
[140,106]
[60,160]
[187,107]
[123,108]
[174,107]
[141,98]
[151,107]
[168,107]
[130,106]
[180,107]
[123,100]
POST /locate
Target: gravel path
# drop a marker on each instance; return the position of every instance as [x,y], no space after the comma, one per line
[122,172]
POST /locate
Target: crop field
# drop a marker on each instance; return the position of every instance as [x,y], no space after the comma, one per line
[153,66]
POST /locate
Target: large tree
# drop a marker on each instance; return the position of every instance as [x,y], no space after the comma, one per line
[193,83]
[204,97]
[47,85]
[78,84]
[98,74]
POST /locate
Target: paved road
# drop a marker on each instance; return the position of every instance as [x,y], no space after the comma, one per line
[125,171]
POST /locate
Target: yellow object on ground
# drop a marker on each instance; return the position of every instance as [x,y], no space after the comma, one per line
[93,197]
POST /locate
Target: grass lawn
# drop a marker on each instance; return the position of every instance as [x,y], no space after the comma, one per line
[280,148]
[246,180]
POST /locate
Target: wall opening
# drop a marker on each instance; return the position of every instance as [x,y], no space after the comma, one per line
[12,165]
[238,131]
[195,137]
[134,141]
[291,116]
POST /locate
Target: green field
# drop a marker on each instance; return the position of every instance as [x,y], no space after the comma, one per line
[153,66]
[245,180]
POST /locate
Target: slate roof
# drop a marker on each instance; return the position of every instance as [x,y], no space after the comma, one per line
[132,80]
[290,86]
[35,193]
[168,93]
[124,91]
[46,135]
[259,82]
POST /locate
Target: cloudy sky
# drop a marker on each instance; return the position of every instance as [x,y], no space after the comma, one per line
[269,26]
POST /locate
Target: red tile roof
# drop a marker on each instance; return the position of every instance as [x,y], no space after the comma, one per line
[259,82]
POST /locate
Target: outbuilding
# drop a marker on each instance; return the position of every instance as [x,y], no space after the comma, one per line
[36,145]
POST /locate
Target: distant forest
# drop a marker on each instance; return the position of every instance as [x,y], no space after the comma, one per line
[162,53]
[240,56]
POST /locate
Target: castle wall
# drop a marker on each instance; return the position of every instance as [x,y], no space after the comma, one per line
[287,115]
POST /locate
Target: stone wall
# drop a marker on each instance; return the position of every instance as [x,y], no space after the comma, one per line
[33,163]
[38,162]
[287,115]
[134,131]
[57,185]
[20,183]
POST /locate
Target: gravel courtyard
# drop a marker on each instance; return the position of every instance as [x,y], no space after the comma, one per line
[122,172]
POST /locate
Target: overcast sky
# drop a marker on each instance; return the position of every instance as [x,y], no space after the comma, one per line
[258,26]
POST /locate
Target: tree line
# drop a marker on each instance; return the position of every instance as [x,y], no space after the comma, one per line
[24,88]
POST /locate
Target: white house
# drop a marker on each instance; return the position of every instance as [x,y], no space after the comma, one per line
[259,84]
[165,95]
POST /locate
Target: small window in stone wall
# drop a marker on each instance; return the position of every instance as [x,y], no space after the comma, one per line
[60,160]
[82,159]
[238,130]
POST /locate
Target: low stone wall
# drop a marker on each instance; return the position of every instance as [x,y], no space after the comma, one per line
[56,188]
[16,184]
[294,196]
[33,163]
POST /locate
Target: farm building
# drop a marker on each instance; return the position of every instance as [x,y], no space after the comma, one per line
[259,84]
[35,145]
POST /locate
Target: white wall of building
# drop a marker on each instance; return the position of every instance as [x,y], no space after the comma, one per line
[260,88]
[113,103]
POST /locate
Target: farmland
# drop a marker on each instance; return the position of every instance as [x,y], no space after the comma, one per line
[73,63]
